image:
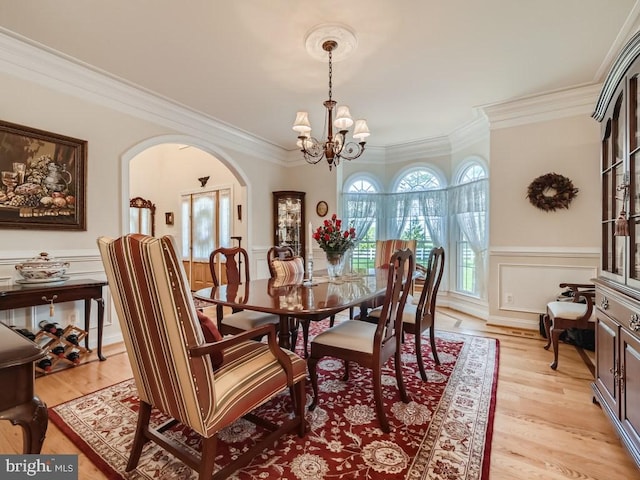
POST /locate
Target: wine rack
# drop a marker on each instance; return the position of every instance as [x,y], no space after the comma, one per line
[62,351]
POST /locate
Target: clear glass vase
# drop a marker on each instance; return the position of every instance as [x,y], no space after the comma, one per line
[335,264]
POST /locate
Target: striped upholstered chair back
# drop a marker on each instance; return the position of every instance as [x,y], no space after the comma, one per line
[159,322]
[386,248]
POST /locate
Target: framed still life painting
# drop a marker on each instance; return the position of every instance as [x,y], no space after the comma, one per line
[43,179]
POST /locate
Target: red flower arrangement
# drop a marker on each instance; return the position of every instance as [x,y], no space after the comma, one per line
[332,238]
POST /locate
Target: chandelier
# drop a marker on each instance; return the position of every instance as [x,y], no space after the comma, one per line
[336,147]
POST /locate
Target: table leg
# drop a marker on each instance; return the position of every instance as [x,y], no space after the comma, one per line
[100,302]
[87,321]
[283,334]
[87,324]
[33,418]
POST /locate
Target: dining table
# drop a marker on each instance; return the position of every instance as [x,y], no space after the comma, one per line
[299,298]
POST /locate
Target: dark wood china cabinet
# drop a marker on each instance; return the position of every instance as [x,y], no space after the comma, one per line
[289,221]
[617,382]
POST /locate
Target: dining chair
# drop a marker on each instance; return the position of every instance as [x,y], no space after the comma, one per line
[417,318]
[280,253]
[170,359]
[239,320]
[368,344]
[386,248]
[384,251]
[291,269]
[561,315]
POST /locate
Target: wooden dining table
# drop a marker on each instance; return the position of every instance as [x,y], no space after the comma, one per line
[317,300]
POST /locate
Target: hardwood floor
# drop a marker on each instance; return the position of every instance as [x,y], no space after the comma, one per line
[546,426]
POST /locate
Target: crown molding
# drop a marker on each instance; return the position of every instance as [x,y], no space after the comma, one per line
[471,133]
[419,149]
[34,62]
[579,100]
[40,64]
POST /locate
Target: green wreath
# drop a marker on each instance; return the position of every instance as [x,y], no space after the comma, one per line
[563,187]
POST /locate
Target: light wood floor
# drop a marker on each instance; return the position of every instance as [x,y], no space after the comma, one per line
[546,426]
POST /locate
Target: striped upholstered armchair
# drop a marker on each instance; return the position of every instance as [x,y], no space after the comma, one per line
[170,359]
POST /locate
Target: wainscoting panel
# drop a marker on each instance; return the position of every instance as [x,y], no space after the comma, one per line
[528,288]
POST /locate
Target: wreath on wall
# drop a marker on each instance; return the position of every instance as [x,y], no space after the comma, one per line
[541,192]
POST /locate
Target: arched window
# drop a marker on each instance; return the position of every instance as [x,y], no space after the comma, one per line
[468,205]
[361,186]
[418,180]
[418,210]
[361,208]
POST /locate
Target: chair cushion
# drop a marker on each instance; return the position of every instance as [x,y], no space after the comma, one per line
[209,329]
[288,270]
[352,335]
[568,310]
[248,379]
[246,319]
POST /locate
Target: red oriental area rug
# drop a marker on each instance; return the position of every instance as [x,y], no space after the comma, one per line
[443,433]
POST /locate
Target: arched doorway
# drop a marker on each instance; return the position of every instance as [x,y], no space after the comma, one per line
[196,197]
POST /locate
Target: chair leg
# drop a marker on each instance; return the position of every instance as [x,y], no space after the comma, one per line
[313,374]
[299,402]
[547,330]
[432,339]
[423,372]
[208,458]
[345,377]
[139,440]
[400,378]
[377,395]
[332,318]
[555,334]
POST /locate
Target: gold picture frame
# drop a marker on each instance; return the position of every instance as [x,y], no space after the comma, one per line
[42,178]
[322,208]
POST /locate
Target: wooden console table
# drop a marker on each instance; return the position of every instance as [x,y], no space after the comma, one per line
[18,402]
[24,296]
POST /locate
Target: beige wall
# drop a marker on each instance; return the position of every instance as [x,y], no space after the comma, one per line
[114,138]
[523,240]
[533,249]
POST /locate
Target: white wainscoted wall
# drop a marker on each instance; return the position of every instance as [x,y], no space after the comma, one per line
[526,280]
[83,265]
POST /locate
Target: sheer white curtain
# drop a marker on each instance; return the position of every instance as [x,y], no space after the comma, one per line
[397,211]
[360,211]
[468,204]
[433,208]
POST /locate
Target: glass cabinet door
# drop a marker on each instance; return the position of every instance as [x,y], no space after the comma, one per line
[634,181]
[289,221]
[613,177]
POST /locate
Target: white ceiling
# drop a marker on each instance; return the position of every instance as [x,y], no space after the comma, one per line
[420,70]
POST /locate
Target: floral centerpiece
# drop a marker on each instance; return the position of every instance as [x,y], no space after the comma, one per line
[335,242]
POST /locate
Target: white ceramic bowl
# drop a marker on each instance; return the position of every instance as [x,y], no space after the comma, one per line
[42,267]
